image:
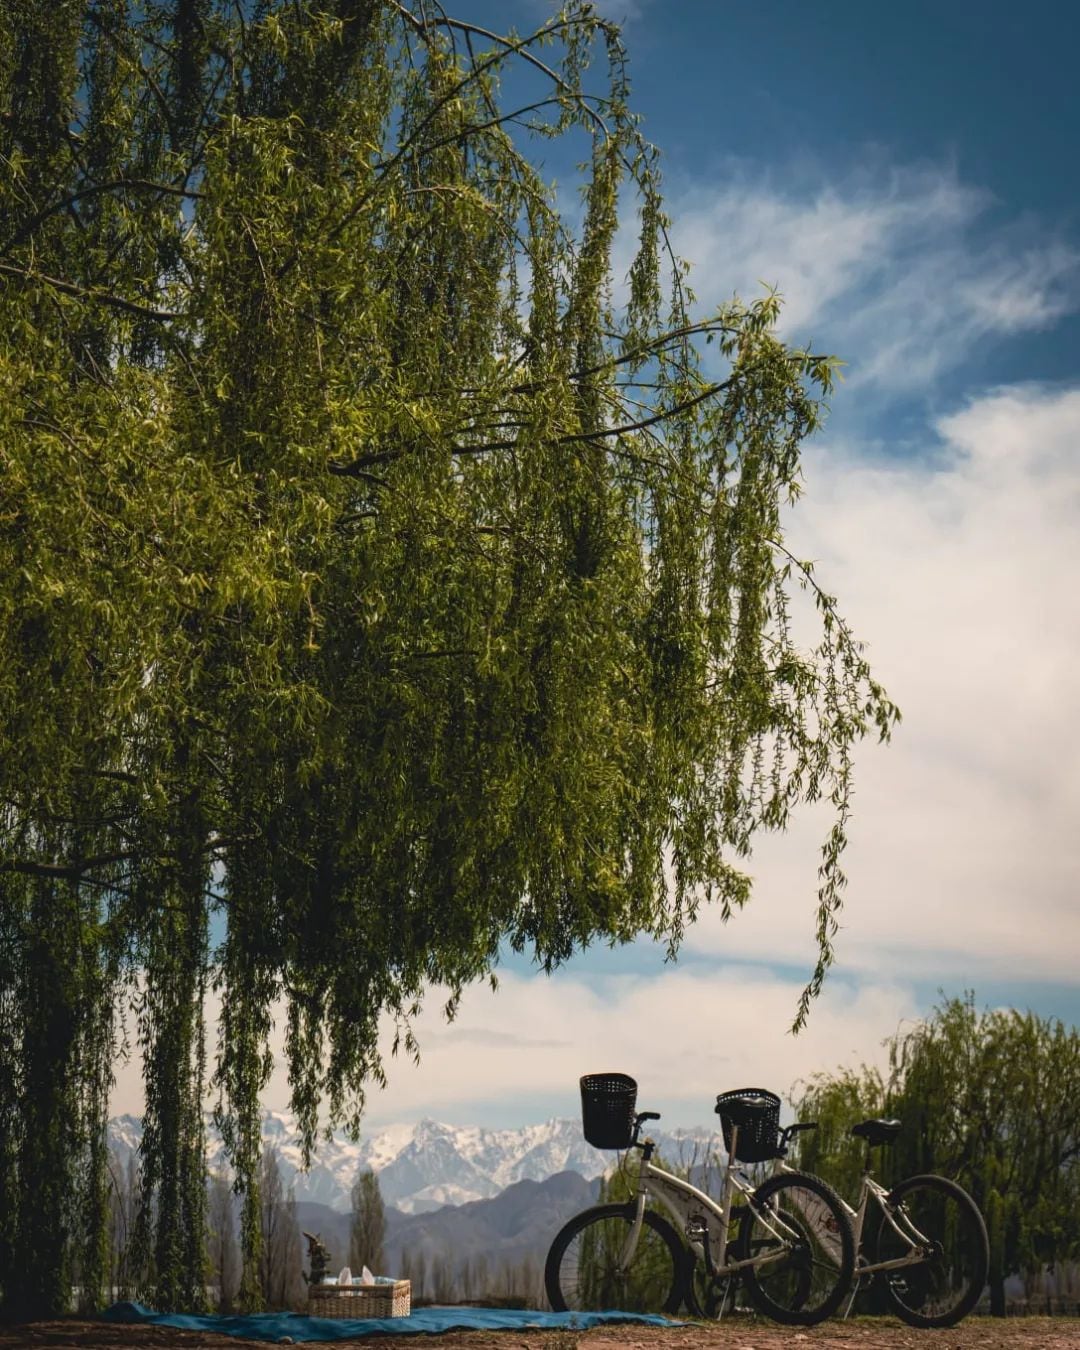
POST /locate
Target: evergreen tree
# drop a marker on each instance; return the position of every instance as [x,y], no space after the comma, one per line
[224,1250]
[280,1257]
[293,1291]
[123,1205]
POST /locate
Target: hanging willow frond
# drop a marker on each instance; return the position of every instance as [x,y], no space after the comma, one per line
[384,575]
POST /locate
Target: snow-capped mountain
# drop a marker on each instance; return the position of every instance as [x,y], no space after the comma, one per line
[425,1165]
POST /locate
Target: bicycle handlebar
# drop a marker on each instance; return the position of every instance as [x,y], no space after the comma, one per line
[790,1131]
[639,1120]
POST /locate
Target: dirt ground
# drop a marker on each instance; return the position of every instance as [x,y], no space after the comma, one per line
[977,1333]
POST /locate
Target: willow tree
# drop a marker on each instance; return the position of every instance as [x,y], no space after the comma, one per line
[990,1098]
[387,562]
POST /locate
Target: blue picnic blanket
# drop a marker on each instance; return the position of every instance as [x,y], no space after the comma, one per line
[284,1327]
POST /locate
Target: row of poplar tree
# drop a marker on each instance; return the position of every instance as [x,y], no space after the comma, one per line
[990,1098]
[283,1255]
[438,1276]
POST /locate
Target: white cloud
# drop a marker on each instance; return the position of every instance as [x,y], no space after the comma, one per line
[684,1034]
[960,570]
[962,578]
[903,273]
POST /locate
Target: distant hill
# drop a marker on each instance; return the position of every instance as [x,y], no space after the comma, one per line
[487,1247]
[519,1222]
[512,1230]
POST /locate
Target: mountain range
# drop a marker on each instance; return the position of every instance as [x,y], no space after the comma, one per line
[425,1165]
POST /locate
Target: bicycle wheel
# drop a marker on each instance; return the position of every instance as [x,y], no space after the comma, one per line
[941,1223]
[582,1272]
[800,1238]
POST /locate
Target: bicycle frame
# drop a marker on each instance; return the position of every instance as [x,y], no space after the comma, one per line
[871,1190]
[917,1242]
[700,1219]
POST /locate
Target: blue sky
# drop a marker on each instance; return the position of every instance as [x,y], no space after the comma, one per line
[906,177]
[984,88]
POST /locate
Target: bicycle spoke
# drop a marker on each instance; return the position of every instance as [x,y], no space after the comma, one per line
[585,1271]
[945,1264]
[801,1245]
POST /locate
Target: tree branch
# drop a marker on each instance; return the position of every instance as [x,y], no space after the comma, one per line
[81,293]
[95,189]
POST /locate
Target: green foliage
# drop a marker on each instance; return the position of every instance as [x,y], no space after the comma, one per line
[991,1099]
[369,576]
[836,1101]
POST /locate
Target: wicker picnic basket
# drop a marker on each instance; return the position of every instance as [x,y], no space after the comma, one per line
[360,1300]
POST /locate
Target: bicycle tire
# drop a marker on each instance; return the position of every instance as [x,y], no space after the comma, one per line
[944,1288]
[704,1293]
[802,1213]
[655,1282]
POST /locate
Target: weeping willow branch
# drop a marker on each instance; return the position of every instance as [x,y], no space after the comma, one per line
[95,296]
[376,578]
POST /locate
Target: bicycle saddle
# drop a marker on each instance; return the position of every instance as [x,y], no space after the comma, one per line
[877,1131]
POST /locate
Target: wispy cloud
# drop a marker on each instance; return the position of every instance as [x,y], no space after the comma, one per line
[903,272]
[959,568]
[965,851]
[685,1034]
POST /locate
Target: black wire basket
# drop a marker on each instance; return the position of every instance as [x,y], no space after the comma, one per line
[607,1109]
[755,1113]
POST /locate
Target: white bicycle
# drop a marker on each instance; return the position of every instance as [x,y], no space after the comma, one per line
[929,1253]
[794,1250]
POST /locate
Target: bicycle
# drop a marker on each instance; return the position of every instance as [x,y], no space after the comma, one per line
[794,1250]
[930,1253]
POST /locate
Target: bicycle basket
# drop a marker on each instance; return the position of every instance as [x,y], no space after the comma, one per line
[607,1109]
[755,1113]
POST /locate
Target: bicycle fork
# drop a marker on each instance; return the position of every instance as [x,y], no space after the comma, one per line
[629,1247]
